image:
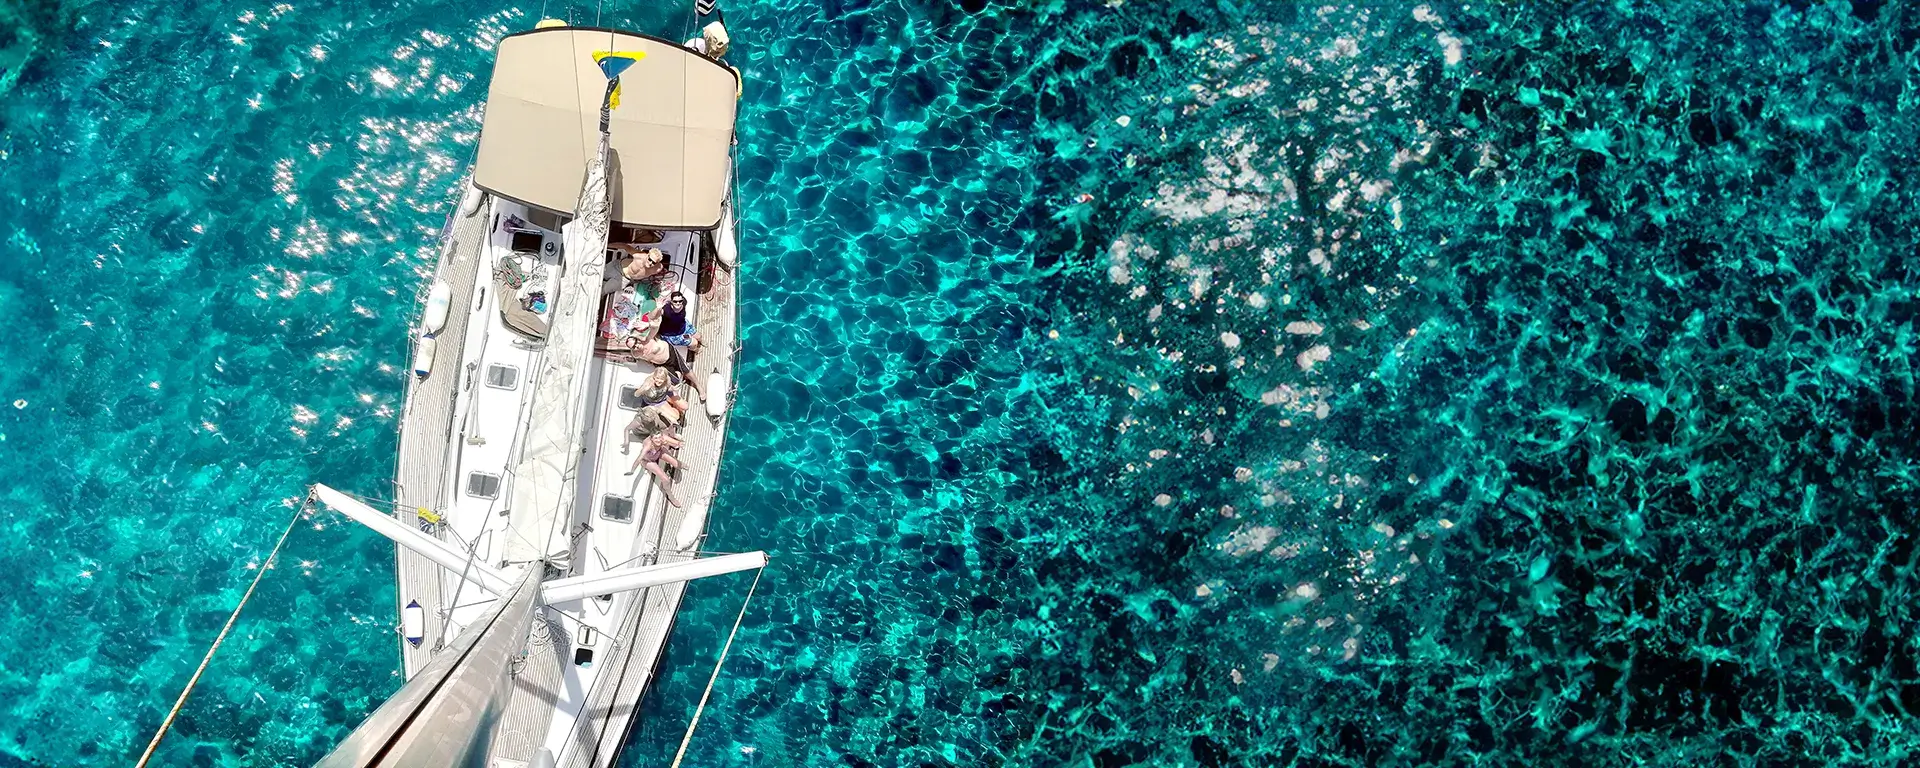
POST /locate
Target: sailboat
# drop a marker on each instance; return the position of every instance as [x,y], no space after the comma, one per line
[539,569]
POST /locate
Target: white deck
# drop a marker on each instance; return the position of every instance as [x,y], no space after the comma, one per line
[457,424]
[490,420]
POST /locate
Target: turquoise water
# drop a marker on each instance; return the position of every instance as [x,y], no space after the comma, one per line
[1127,383]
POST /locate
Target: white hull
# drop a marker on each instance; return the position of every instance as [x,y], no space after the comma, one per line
[462,424]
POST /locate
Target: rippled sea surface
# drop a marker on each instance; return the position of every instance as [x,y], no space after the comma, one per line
[1157,383]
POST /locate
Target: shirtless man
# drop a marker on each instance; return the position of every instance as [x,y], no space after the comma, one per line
[637,264]
[671,357]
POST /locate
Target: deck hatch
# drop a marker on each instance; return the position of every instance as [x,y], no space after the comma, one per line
[483,485]
[617,508]
[501,376]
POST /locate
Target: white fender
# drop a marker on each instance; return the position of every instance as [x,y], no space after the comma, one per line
[423,356]
[439,301]
[715,394]
[413,623]
[470,200]
[724,245]
[688,537]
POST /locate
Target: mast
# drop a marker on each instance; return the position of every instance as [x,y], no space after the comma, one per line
[445,714]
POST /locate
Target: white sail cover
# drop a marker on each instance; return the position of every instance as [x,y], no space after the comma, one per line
[544,482]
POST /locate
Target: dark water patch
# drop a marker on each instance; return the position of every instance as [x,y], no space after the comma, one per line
[1565,356]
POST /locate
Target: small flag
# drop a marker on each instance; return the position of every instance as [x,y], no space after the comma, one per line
[612,63]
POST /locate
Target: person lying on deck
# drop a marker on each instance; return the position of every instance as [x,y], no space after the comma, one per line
[652,420]
[656,455]
[666,355]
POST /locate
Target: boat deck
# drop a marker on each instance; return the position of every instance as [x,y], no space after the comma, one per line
[426,422]
[629,663]
[644,630]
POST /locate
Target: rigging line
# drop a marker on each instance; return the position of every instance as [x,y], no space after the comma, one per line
[485,601]
[573,42]
[465,569]
[693,19]
[379,503]
[471,547]
[628,623]
[659,556]
[546,547]
[688,738]
[215,648]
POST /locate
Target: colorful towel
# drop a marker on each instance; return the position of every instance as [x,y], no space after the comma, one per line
[620,317]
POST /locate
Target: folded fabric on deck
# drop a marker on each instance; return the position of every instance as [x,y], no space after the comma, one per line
[620,317]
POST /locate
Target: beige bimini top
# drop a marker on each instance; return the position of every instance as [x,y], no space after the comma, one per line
[670,134]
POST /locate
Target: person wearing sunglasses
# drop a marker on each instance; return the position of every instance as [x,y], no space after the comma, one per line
[674,327]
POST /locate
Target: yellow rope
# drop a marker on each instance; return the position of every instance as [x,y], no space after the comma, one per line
[208,659]
[695,723]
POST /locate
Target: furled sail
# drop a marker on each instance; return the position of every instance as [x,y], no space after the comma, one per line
[445,714]
[545,480]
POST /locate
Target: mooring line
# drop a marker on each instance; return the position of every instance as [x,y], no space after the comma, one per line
[695,723]
[181,702]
